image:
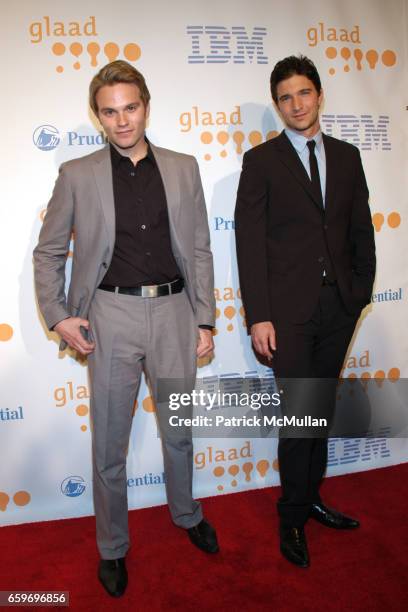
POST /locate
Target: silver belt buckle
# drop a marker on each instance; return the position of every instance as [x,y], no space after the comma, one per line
[149,291]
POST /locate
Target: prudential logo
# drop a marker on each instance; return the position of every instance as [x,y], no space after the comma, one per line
[73,486]
[46,137]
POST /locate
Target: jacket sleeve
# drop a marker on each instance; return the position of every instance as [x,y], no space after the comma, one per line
[203,259]
[251,238]
[51,252]
[362,237]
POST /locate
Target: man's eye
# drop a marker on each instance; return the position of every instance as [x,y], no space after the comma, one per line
[132,107]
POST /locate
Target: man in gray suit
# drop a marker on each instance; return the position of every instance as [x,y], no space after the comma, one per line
[141,297]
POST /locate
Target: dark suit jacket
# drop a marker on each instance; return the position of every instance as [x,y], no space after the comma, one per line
[283,235]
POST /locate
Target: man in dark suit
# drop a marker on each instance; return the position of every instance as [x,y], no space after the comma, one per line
[306,258]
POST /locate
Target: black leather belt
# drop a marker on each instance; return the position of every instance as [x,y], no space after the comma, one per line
[328,281]
[148,291]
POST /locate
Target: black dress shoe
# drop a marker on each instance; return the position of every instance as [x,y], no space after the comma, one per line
[293,546]
[332,518]
[204,537]
[113,576]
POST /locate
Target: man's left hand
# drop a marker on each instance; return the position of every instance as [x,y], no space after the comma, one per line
[205,343]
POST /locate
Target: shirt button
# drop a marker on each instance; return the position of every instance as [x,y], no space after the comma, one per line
[143,227]
[321,259]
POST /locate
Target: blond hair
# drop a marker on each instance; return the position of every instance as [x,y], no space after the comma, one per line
[117,72]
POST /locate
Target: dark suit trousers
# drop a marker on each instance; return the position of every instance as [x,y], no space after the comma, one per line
[313,352]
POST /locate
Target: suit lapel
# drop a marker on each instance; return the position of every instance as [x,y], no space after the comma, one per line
[169,173]
[289,157]
[102,169]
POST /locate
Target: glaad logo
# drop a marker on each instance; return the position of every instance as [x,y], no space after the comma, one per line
[73,486]
[46,137]
[219,45]
[80,53]
[349,56]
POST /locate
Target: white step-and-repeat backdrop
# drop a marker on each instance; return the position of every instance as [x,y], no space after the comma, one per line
[207,66]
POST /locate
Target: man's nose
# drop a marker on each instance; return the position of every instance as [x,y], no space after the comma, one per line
[297,103]
[122,118]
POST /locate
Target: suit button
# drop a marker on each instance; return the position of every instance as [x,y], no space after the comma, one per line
[325,227]
[105,265]
[321,259]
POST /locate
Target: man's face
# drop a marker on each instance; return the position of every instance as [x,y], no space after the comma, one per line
[122,114]
[299,103]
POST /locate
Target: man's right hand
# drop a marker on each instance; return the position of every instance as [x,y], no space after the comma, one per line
[69,330]
[263,338]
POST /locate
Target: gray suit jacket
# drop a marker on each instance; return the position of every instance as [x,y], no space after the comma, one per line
[83,202]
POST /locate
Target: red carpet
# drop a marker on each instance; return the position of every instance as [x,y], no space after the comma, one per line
[362,570]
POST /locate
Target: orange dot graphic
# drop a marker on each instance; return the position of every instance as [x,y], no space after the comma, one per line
[22,498]
[345,53]
[346,68]
[83,428]
[4,500]
[148,404]
[272,134]
[58,48]
[76,49]
[238,137]
[206,137]
[59,69]
[242,311]
[77,65]
[379,377]
[255,138]
[220,488]
[217,313]
[394,219]
[111,51]
[6,332]
[332,71]
[388,58]
[132,52]
[93,49]
[234,483]
[247,469]
[378,220]
[222,137]
[358,55]
[394,374]
[262,466]
[82,410]
[372,58]
[229,312]
[218,471]
[275,465]
[331,52]
[223,153]
[233,470]
[207,156]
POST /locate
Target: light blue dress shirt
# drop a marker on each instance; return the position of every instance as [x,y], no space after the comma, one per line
[300,144]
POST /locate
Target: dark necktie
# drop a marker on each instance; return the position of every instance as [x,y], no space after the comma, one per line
[314,172]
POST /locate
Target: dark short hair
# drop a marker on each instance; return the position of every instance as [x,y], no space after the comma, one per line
[117,72]
[291,65]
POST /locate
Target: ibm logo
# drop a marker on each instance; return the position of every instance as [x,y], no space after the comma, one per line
[220,45]
[364,131]
[352,450]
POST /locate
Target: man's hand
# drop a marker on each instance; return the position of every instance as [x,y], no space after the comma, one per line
[263,338]
[69,330]
[205,344]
